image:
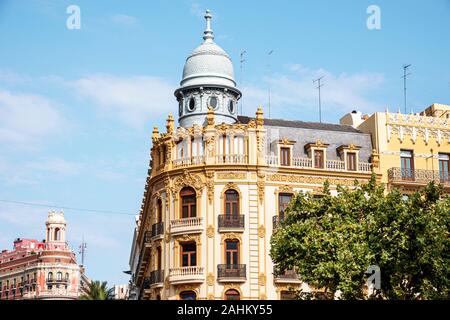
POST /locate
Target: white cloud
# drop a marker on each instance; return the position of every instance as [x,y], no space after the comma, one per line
[295,93]
[124,19]
[135,99]
[25,119]
[196,10]
[12,77]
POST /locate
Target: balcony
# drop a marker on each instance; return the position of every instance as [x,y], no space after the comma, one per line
[231,272]
[156,279]
[417,177]
[276,222]
[186,225]
[231,159]
[330,165]
[158,231]
[57,281]
[188,161]
[231,223]
[186,275]
[289,276]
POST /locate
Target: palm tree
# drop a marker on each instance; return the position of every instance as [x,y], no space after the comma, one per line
[98,291]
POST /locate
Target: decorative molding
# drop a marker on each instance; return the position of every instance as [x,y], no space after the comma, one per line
[231,236]
[313,180]
[210,231]
[262,279]
[211,296]
[188,180]
[261,189]
[187,238]
[210,279]
[210,186]
[262,296]
[232,175]
[261,231]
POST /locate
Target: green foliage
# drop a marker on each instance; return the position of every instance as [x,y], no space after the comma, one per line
[332,241]
[98,291]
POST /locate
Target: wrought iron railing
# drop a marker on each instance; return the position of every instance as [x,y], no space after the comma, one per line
[287,275]
[418,176]
[156,276]
[157,229]
[225,271]
[227,221]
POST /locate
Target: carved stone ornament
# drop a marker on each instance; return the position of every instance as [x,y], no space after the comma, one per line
[261,231]
[210,231]
[210,279]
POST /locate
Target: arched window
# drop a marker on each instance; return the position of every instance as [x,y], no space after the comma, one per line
[231,203]
[50,276]
[67,276]
[59,276]
[188,203]
[232,295]
[188,295]
[57,234]
[232,253]
[159,210]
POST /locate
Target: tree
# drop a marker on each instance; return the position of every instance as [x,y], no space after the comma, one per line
[98,291]
[332,241]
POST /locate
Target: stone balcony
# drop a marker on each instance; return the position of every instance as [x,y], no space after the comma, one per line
[329,165]
[186,226]
[184,275]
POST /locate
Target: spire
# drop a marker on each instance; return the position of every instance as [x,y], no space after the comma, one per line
[209,34]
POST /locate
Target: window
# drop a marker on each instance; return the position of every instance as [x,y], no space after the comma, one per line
[57,234]
[180,108]
[188,203]
[231,252]
[213,102]
[283,202]
[188,295]
[158,258]
[191,104]
[159,210]
[285,156]
[232,294]
[189,254]
[67,277]
[351,161]
[444,167]
[318,159]
[50,276]
[231,203]
[231,107]
[59,276]
[407,164]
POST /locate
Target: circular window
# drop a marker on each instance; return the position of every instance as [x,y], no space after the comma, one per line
[191,104]
[213,102]
[231,107]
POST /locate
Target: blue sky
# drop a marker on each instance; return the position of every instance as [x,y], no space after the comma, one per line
[77,106]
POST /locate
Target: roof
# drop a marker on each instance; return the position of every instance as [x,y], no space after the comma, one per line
[303,124]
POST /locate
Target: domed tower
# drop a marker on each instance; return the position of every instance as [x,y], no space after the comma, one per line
[208,81]
[55,236]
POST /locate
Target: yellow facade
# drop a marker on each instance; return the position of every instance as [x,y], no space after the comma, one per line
[426,136]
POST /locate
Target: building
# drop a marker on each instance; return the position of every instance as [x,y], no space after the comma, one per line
[121,291]
[218,185]
[42,269]
[412,149]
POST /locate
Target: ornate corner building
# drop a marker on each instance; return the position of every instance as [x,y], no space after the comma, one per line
[219,183]
[44,270]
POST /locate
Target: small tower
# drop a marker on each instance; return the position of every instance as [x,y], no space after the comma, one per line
[208,82]
[55,236]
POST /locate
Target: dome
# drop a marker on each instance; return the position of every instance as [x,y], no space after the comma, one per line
[208,64]
[56,217]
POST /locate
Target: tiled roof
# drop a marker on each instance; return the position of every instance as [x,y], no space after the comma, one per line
[303,124]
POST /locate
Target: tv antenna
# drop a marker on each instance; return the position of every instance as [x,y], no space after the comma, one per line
[242,60]
[270,74]
[405,75]
[82,251]
[319,85]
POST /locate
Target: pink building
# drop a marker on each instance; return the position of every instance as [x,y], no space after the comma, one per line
[42,270]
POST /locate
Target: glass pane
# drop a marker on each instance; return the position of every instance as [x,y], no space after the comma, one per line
[185,260]
[193,259]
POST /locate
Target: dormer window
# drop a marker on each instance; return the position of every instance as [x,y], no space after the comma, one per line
[350,156]
[317,153]
[351,161]
[319,161]
[285,159]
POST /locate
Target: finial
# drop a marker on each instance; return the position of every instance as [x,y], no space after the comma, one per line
[155,133]
[210,117]
[259,117]
[169,123]
[209,34]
